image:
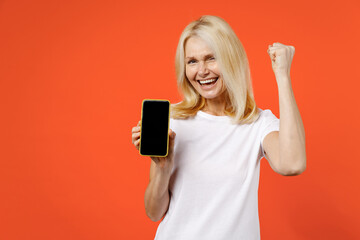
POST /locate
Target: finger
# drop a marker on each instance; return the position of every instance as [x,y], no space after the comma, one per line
[277,44]
[275,48]
[135,129]
[272,52]
[171,142]
[278,50]
[273,58]
[135,137]
[139,123]
[281,46]
[171,133]
[268,50]
[137,143]
[272,55]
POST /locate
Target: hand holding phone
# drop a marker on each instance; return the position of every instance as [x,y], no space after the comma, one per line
[161,161]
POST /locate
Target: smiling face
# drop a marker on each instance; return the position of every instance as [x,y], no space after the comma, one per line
[202,70]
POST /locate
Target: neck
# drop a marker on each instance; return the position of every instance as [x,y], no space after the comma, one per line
[214,107]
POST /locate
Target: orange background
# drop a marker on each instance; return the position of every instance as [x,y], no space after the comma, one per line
[72,78]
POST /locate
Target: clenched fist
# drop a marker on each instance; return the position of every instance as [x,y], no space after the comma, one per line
[281,57]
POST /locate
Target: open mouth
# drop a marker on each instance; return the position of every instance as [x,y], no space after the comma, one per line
[210,81]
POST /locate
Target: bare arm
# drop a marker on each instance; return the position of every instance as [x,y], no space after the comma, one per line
[157,196]
[285,150]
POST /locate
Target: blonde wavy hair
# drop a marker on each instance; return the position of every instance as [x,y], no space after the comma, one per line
[234,68]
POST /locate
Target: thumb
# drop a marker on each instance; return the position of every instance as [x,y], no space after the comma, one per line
[172,133]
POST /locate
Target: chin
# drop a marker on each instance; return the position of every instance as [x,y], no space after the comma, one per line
[210,96]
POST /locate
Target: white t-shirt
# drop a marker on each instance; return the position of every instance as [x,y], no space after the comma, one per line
[214,183]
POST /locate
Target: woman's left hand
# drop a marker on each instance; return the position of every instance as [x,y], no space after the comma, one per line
[281,57]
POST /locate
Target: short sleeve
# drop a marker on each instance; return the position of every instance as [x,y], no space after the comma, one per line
[270,123]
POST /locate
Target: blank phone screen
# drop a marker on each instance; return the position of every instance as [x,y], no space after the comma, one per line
[154,128]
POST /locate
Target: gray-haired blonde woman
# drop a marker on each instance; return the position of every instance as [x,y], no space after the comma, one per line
[207,187]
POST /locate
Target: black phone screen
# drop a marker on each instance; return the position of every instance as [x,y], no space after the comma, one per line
[154,128]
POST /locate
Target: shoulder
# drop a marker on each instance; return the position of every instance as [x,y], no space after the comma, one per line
[180,122]
[267,123]
[266,113]
[266,116]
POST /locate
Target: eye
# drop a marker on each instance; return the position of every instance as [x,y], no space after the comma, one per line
[211,58]
[191,61]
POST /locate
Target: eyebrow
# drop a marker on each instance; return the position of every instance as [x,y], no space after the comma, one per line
[206,56]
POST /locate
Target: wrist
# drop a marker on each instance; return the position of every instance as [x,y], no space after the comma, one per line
[163,168]
[283,79]
[282,76]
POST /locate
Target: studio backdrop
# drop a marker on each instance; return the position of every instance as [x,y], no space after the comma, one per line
[73,75]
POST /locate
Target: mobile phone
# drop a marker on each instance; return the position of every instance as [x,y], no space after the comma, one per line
[154,135]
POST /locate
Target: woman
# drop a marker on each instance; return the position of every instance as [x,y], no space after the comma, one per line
[207,186]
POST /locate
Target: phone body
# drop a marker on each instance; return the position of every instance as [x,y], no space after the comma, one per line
[154,134]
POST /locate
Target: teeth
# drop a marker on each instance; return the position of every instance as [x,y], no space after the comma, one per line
[207,81]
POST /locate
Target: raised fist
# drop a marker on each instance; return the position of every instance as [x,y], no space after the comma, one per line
[281,57]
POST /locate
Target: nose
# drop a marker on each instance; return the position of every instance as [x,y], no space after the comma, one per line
[203,69]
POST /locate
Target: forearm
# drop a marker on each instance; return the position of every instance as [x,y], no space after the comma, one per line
[292,153]
[157,195]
